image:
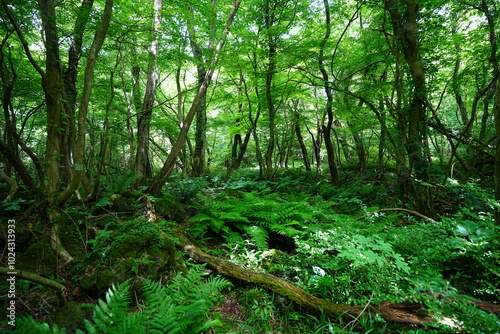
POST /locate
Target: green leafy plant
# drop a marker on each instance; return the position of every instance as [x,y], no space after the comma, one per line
[349,266]
[13,205]
[181,307]
[253,215]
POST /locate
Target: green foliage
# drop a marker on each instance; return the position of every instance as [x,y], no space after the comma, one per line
[344,265]
[185,190]
[255,215]
[12,206]
[180,307]
[116,183]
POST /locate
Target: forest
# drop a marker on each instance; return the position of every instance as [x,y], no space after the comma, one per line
[250,166]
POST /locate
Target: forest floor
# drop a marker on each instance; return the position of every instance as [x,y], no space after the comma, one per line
[340,245]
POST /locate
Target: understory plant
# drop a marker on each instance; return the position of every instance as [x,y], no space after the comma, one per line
[180,307]
[240,215]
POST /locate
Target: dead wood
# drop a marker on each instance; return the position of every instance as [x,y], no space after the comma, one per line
[60,289]
[405,313]
[415,213]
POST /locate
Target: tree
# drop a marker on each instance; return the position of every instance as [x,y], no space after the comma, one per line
[52,82]
[404,22]
[142,165]
[161,177]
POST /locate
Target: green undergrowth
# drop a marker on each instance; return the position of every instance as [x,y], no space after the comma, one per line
[182,306]
[345,251]
[334,243]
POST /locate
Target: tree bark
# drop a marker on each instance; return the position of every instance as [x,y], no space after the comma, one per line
[404,21]
[79,153]
[14,160]
[70,92]
[408,313]
[300,137]
[496,114]
[142,165]
[13,186]
[327,130]
[162,176]
[200,146]
[52,87]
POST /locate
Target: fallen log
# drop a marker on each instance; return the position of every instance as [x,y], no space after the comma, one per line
[405,313]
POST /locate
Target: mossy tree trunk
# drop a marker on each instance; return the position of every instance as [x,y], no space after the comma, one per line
[408,313]
[405,25]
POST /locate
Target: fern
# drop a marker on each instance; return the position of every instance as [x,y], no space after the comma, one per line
[27,325]
[255,215]
[180,307]
[109,315]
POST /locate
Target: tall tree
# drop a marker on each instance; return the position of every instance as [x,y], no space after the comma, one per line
[327,131]
[404,21]
[200,148]
[142,165]
[162,176]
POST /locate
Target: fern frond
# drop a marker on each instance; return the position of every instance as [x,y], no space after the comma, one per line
[259,236]
[108,315]
[28,325]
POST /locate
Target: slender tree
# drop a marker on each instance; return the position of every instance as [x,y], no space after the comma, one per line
[162,176]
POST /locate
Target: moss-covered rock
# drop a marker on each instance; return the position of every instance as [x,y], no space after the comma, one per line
[137,248]
[170,208]
[120,203]
[39,259]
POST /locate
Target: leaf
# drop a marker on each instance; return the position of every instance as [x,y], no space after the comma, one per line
[259,235]
[233,216]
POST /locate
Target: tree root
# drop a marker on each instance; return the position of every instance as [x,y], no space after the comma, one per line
[58,248]
[13,186]
[60,289]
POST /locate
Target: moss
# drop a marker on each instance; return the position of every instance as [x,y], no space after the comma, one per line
[72,316]
[170,208]
[127,245]
[38,259]
[138,248]
[100,279]
[120,203]
[72,239]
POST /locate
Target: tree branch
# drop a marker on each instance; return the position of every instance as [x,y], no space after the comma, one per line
[415,213]
[60,289]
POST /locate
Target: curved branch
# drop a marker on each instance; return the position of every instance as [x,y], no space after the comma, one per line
[13,186]
[14,23]
[415,213]
[60,289]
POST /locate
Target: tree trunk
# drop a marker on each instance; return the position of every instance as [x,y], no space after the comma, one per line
[200,146]
[198,158]
[300,138]
[70,92]
[162,176]
[409,313]
[327,130]
[16,162]
[405,27]
[79,154]
[271,68]
[142,165]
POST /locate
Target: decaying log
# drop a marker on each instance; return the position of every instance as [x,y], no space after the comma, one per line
[406,313]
